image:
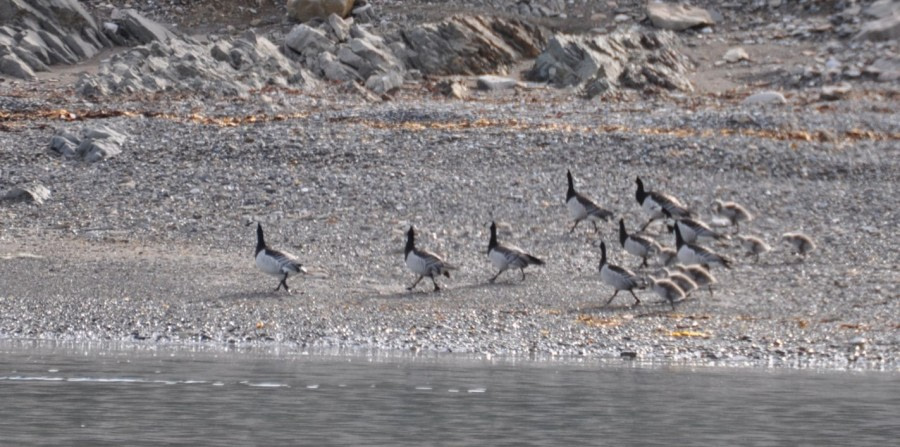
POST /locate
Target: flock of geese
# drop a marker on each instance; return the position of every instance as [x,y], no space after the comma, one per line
[685,268]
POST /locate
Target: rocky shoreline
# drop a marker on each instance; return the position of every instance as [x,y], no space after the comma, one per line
[150,245]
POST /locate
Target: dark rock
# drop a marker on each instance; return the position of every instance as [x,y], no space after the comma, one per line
[136,29]
[45,32]
[633,59]
[471,45]
[12,65]
[34,192]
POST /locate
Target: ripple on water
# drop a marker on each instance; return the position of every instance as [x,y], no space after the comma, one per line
[264,384]
[33,378]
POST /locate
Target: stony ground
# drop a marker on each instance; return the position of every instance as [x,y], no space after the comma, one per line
[153,245]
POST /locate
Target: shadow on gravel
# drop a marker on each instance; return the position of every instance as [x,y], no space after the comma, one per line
[261,294]
[645,309]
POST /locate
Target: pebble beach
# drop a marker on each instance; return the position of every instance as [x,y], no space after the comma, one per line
[153,245]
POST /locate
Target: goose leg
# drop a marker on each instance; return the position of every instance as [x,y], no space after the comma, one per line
[436,288]
[414,284]
[637,301]
[573,226]
[611,298]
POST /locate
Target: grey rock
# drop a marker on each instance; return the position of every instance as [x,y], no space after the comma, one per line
[339,27]
[47,32]
[305,10]
[364,14]
[334,70]
[95,150]
[735,54]
[100,143]
[372,58]
[58,51]
[633,59]
[765,97]
[453,89]
[81,47]
[97,143]
[883,29]
[835,92]
[34,192]
[677,17]
[491,82]
[882,8]
[231,67]
[305,40]
[30,58]
[384,82]
[472,45]
[362,32]
[885,69]
[12,65]
[358,90]
[134,28]
[65,144]
[31,42]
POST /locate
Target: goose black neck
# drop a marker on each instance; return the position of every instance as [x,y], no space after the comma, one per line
[622,233]
[679,241]
[410,240]
[260,241]
[602,254]
[640,194]
[571,191]
[493,242]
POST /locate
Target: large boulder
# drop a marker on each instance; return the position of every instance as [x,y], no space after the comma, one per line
[472,45]
[32,192]
[128,27]
[306,10]
[12,65]
[677,17]
[98,143]
[632,59]
[46,32]
[328,53]
[886,25]
[232,67]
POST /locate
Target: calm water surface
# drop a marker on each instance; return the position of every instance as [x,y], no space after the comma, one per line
[85,395]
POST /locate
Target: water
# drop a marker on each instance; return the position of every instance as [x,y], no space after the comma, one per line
[96,396]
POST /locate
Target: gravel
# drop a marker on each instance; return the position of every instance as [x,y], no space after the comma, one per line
[153,246]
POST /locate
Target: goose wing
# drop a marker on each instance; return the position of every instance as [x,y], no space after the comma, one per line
[286,262]
[516,257]
[625,279]
[670,204]
[708,256]
[432,262]
[593,209]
